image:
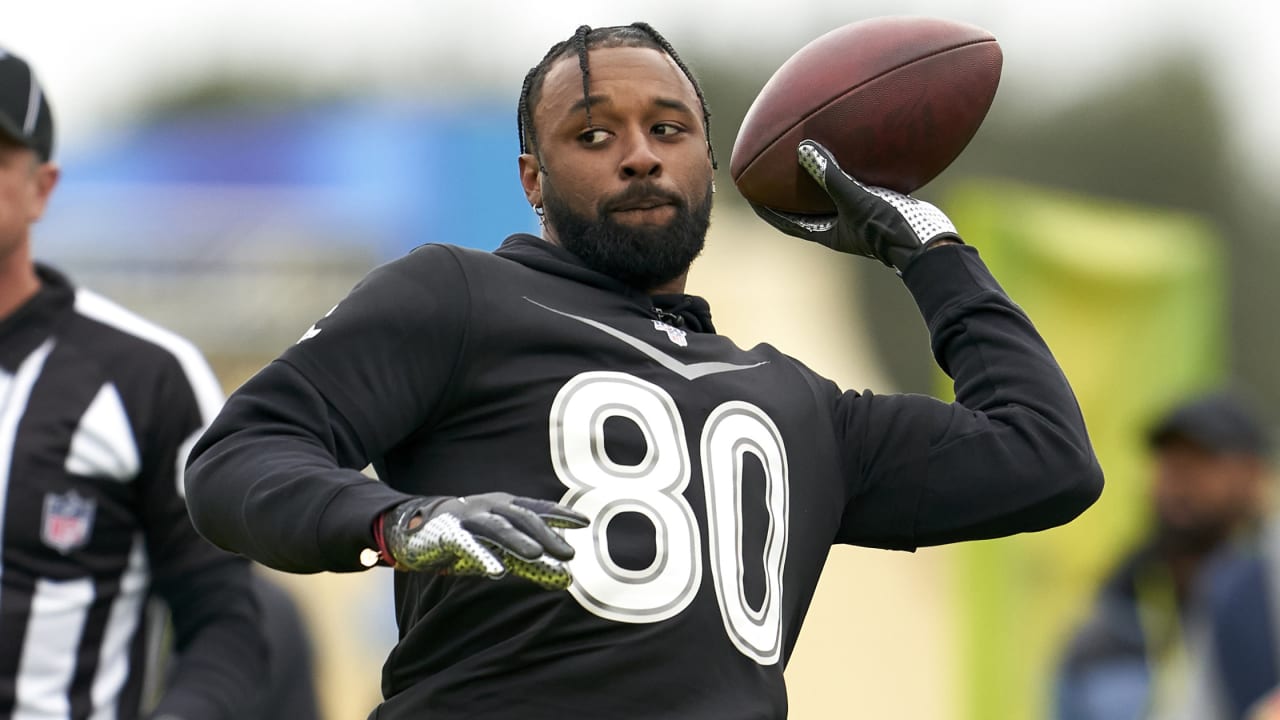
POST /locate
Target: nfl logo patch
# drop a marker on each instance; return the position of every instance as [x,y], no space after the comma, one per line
[674,334]
[68,521]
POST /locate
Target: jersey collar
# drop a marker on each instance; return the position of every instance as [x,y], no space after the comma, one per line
[36,319]
[534,252]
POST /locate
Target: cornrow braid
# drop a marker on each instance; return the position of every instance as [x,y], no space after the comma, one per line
[637,34]
[580,45]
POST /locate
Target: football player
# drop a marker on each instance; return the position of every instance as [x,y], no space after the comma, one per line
[597,504]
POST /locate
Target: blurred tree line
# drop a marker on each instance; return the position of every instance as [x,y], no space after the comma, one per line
[1157,136]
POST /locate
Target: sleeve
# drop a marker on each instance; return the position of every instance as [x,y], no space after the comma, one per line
[218,647]
[276,477]
[1010,455]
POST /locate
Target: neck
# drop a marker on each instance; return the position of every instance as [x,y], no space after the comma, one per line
[675,286]
[18,279]
[1186,558]
[1185,568]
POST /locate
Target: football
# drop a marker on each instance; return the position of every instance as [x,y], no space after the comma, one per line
[895,99]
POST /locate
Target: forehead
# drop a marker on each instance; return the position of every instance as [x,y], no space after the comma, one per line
[1179,449]
[621,74]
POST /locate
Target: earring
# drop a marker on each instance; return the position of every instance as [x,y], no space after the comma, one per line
[537,210]
[713,187]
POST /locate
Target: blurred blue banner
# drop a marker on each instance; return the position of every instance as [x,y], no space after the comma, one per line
[239,227]
[386,177]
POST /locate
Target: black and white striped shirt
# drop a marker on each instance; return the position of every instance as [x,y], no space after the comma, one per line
[98,410]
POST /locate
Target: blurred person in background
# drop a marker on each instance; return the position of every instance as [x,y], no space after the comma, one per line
[1135,654]
[651,504]
[1238,673]
[98,409]
[287,689]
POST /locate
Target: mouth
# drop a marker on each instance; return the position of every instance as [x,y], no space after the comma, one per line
[642,204]
[646,210]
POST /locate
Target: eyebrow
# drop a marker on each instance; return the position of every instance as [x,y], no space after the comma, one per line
[673,104]
[591,101]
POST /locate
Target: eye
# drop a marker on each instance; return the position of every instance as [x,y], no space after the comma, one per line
[594,136]
[667,129]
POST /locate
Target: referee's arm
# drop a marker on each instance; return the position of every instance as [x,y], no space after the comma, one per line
[221,657]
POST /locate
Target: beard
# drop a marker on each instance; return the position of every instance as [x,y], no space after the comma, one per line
[643,257]
[1198,538]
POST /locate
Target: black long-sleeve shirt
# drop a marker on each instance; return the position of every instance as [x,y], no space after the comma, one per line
[716,477]
[97,410]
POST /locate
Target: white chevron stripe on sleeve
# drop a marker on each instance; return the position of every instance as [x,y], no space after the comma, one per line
[103,444]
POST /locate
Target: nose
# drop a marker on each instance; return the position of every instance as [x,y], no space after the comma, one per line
[640,160]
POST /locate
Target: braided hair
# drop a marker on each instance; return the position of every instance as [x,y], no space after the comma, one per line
[637,34]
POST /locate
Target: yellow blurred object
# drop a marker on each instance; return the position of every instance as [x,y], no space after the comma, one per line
[1132,304]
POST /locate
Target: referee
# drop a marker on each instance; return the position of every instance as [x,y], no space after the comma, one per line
[98,409]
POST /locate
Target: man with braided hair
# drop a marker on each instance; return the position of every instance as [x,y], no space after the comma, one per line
[594,503]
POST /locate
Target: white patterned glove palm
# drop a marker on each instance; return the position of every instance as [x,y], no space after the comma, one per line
[490,535]
[871,221]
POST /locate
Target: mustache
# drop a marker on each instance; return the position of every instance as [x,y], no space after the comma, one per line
[640,193]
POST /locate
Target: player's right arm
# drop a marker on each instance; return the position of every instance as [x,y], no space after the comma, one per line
[1011,454]
[275,478]
[277,475]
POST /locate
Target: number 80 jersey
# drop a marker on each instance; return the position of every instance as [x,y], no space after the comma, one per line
[716,478]
[710,474]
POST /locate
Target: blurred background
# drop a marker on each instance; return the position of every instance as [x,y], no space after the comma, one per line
[230,169]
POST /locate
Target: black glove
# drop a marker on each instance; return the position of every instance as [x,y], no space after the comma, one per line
[871,221]
[490,534]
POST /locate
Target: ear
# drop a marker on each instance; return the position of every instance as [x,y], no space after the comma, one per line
[531,178]
[45,180]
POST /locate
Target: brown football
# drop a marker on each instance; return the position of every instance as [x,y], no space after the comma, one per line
[895,99]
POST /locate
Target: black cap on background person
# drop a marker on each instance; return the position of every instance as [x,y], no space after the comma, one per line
[1219,422]
[25,117]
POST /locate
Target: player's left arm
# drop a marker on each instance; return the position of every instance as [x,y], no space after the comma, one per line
[1011,454]
[219,654]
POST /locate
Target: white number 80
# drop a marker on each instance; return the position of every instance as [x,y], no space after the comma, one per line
[601,488]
